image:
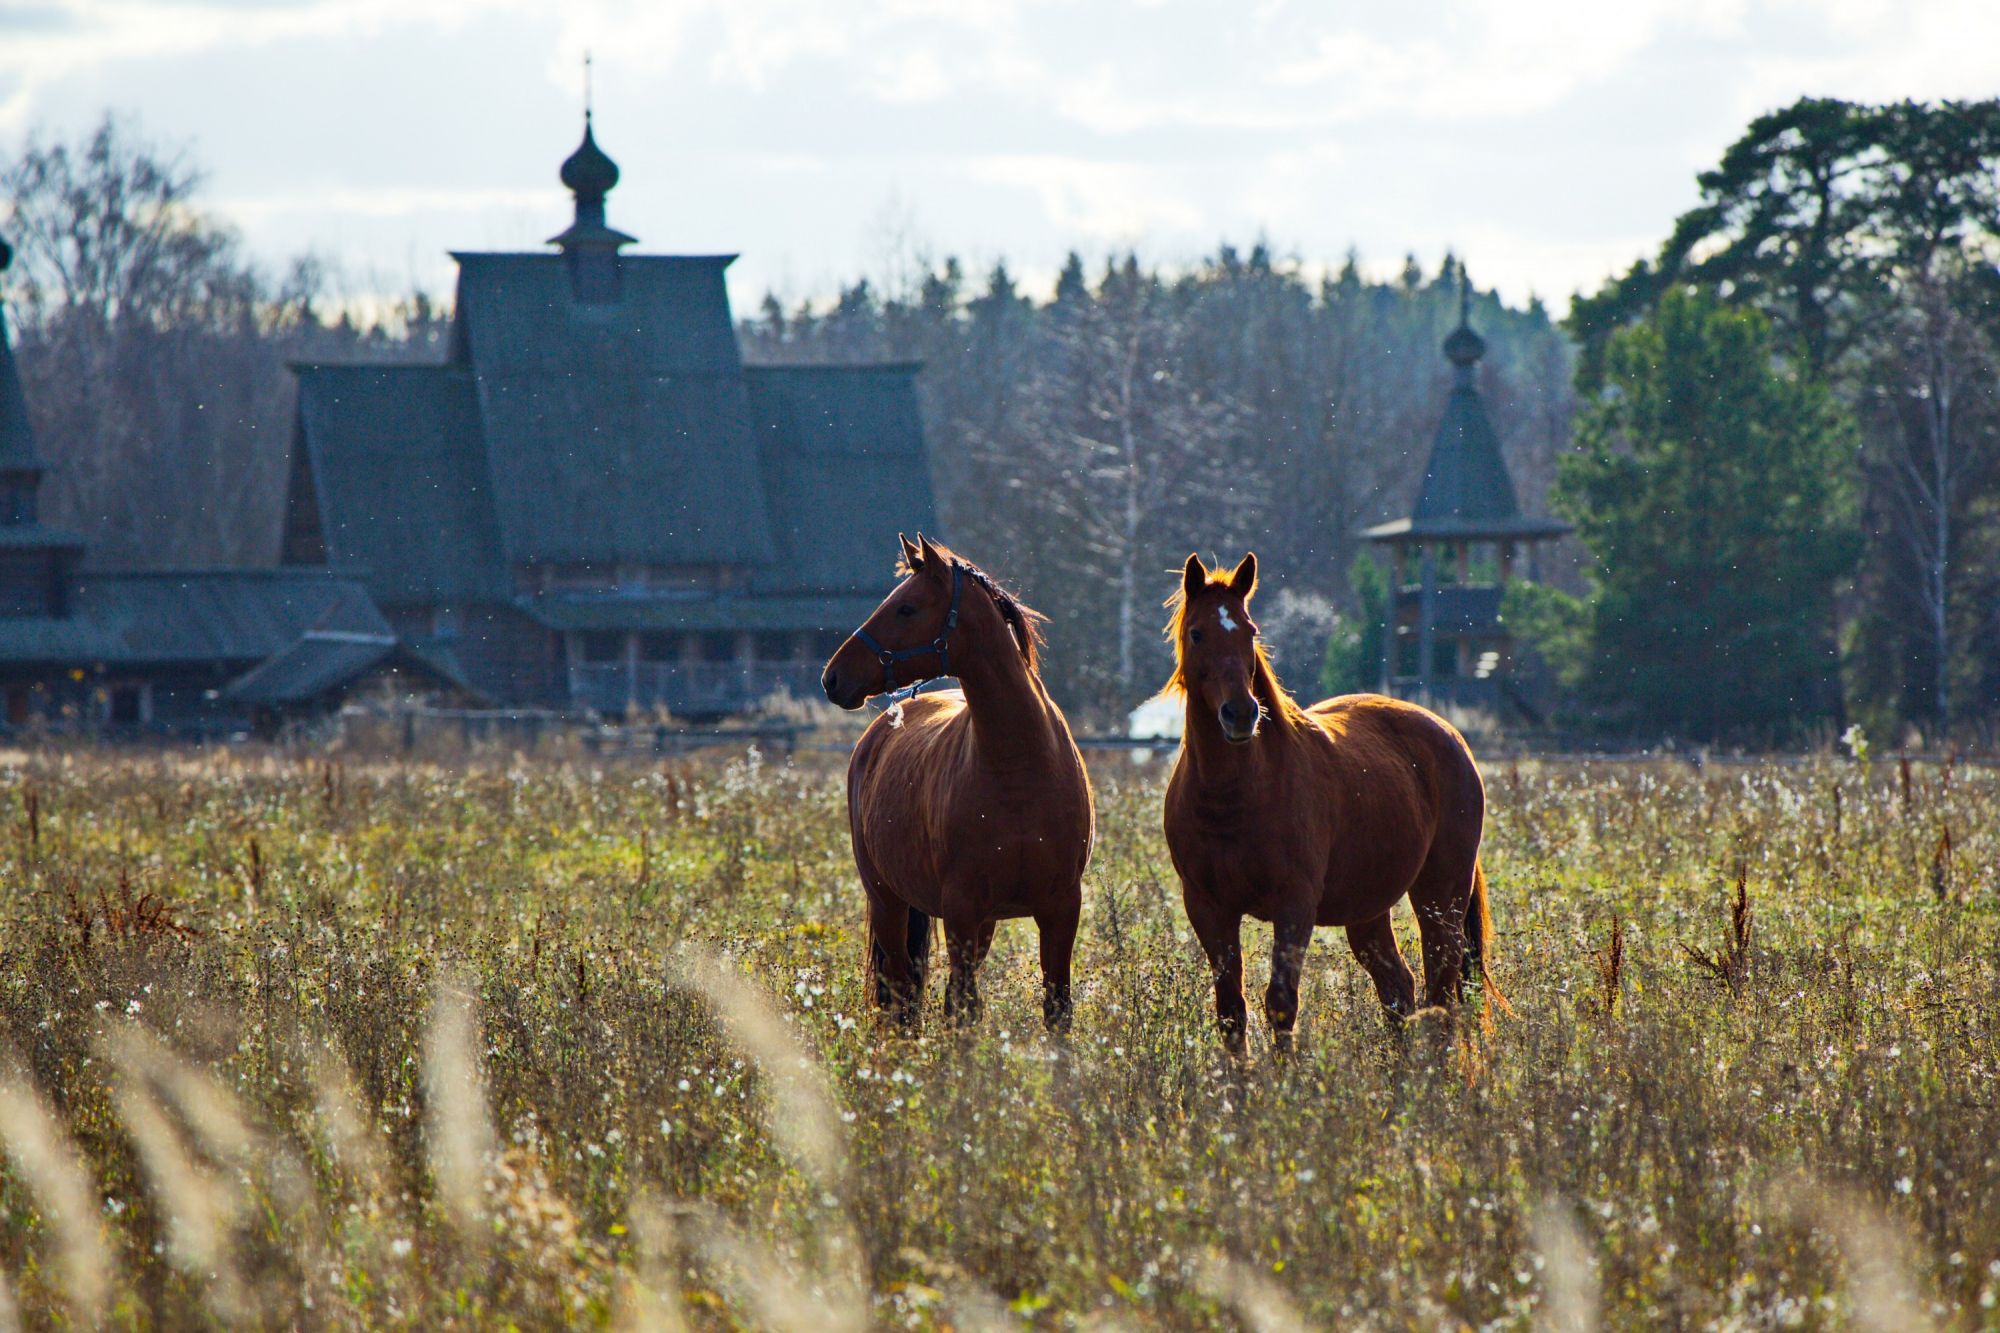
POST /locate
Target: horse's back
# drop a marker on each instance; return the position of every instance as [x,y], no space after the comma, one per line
[1377,725]
[1394,767]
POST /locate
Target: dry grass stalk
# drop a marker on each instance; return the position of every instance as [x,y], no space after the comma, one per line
[353,1141]
[199,1205]
[10,1309]
[1731,964]
[800,1114]
[1571,1293]
[47,1161]
[459,1133]
[649,1301]
[760,1279]
[1263,1306]
[1611,966]
[216,1119]
[803,1118]
[1885,1295]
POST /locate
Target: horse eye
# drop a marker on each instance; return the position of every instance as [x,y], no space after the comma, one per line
[906,609]
[1195,635]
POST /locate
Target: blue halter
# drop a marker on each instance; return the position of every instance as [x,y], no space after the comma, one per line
[941,645]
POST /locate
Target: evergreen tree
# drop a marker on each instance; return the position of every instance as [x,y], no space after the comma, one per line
[1715,493]
[1353,662]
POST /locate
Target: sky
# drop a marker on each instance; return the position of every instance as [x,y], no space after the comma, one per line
[1548,142]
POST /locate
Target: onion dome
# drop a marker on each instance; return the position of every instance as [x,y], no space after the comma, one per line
[589,171]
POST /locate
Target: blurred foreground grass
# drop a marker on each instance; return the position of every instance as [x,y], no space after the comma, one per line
[291,1043]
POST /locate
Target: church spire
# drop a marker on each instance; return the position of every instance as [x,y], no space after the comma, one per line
[589,174]
[1462,347]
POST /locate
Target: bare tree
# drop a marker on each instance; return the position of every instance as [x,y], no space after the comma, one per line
[1128,456]
[1932,440]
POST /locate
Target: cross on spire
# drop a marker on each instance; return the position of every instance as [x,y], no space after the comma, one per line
[586,88]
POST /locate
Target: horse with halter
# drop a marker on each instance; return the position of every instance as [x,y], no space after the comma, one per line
[969,805]
[1321,816]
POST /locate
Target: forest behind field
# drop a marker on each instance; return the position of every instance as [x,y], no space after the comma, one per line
[1827,529]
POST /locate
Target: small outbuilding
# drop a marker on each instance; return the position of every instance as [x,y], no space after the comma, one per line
[1443,640]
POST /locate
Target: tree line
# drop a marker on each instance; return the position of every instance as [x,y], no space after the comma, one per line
[1085,441]
[1778,436]
[1788,462]
[1083,438]
[153,352]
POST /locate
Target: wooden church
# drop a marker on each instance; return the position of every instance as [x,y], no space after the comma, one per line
[1451,557]
[593,503]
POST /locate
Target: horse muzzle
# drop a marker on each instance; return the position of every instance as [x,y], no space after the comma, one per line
[1238,719]
[842,692]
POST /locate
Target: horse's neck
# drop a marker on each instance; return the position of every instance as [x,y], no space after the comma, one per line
[1009,708]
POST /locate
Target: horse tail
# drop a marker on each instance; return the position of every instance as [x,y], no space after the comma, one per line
[1479,940]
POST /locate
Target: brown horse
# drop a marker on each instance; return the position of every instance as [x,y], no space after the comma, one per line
[1321,816]
[971,805]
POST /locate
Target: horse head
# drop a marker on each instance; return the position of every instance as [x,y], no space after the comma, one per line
[1217,660]
[908,637]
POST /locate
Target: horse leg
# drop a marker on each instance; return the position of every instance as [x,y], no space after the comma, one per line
[1374,943]
[1221,936]
[1057,927]
[1440,900]
[891,975]
[965,944]
[1289,942]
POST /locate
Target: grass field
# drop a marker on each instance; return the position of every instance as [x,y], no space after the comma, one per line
[297,1042]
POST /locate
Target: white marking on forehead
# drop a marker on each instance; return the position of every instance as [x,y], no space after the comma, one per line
[1222,614]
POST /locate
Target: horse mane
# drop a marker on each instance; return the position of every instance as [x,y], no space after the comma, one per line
[1279,706]
[1023,621]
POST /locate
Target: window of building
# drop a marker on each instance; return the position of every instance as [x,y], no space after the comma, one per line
[660,646]
[127,705]
[602,645]
[25,582]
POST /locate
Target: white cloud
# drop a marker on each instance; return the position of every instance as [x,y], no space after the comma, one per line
[1020,126]
[254,210]
[1117,202]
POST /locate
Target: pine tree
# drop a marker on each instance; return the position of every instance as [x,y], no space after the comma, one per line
[1715,492]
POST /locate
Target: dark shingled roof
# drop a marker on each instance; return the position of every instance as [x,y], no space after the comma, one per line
[622,430]
[1467,493]
[323,663]
[399,476]
[844,462]
[220,618]
[643,397]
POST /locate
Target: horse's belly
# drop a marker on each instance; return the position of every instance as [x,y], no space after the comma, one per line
[1363,882]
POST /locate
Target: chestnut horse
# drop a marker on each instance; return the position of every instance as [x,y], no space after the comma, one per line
[1321,816]
[971,805]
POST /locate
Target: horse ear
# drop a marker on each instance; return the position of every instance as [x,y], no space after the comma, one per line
[1244,577]
[912,554]
[1194,575]
[930,551]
